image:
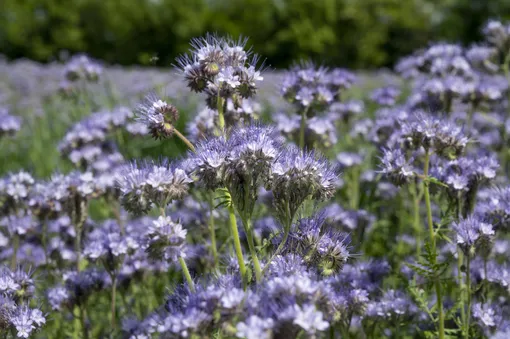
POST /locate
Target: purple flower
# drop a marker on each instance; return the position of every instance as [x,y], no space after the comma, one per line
[159,116]
[395,165]
[255,327]
[298,175]
[310,320]
[166,239]
[473,234]
[144,183]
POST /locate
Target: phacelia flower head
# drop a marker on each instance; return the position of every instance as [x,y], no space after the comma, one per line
[397,167]
[321,246]
[311,86]
[221,66]
[145,183]
[298,175]
[166,239]
[441,136]
[253,150]
[473,235]
[159,116]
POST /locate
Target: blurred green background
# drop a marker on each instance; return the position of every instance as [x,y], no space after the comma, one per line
[351,33]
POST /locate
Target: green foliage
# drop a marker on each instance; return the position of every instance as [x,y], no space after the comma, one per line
[354,33]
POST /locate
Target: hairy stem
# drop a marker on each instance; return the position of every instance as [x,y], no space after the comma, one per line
[416,221]
[15,247]
[221,116]
[468,291]
[184,139]
[251,245]
[237,242]
[354,183]
[83,322]
[185,271]
[212,231]
[114,296]
[302,128]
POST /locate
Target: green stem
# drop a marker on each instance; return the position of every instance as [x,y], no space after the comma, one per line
[303,128]
[15,247]
[114,296]
[428,204]
[184,139]
[83,322]
[460,281]
[485,295]
[416,221]
[249,236]
[221,117]
[212,230]
[185,271]
[432,235]
[354,184]
[237,242]
[286,230]
[468,291]
[77,248]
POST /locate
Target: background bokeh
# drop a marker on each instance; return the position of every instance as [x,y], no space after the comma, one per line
[350,33]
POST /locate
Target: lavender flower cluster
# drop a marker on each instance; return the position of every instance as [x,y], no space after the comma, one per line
[348,214]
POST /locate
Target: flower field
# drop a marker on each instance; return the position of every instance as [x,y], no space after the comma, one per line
[223,198]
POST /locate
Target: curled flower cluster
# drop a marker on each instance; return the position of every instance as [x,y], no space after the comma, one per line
[146,183]
[221,68]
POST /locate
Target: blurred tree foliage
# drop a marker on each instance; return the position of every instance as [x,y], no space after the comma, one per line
[353,33]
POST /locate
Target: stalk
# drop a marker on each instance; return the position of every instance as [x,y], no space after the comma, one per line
[185,271]
[221,117]
[416,221]
[15,247]
[460,261]
[77,248]
[468,291]
[354,201]
[302,129]
[237,242]
[114,296]
[83,323]
[433,245]
[184,139]
[212,231]
[286,230]
[253,252]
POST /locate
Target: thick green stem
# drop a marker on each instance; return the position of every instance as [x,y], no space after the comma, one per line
[432,234]
[185,271]
[184,139]
[237,242]
[251,245]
